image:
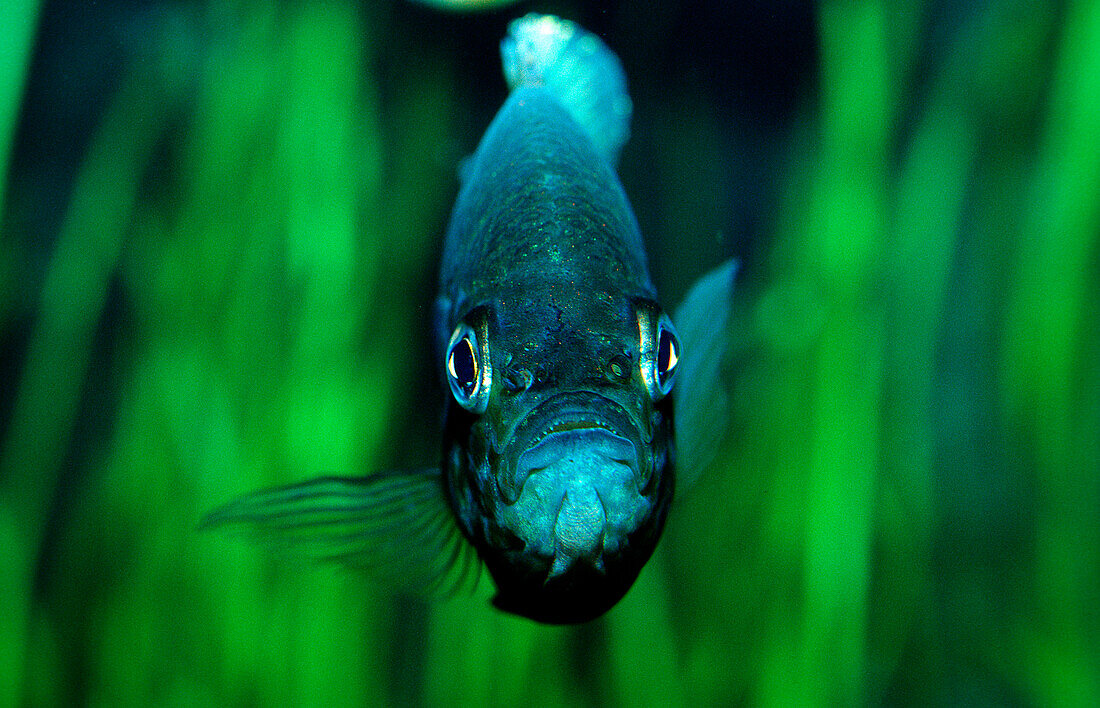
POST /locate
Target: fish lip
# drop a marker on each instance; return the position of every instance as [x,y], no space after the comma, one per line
[564,414]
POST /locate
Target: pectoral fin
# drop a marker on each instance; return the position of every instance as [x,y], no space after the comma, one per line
[396,526]
[701,393]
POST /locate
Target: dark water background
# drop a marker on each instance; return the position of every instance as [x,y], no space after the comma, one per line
[220,230]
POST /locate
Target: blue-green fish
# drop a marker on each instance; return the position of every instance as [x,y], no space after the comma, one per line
[568,385]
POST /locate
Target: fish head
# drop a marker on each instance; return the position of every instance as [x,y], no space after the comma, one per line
[560,455]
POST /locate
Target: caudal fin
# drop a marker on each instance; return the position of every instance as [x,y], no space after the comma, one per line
[578,68]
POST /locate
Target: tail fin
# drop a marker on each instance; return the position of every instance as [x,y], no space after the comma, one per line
[578,68]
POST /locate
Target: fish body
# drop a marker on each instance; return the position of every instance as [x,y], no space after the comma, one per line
[562,483]
[558,444]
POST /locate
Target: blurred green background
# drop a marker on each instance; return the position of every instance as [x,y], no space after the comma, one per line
[220,229]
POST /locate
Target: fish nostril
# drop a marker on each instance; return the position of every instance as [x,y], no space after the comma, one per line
[518,381]
[618,369]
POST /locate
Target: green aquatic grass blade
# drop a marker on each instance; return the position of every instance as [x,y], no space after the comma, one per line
[918,264]
[644,618]
[1049,352]
[261,274]
[19,18]
[905,510]
[846,234]
[56,366]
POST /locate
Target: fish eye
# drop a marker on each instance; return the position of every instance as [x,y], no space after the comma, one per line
[660,352]
[462,366]
[468,371]
[668,354]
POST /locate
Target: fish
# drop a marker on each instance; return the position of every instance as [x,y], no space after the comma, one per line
[573,405]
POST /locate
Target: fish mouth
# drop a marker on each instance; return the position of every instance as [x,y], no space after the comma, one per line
[597,421]
[575,480]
